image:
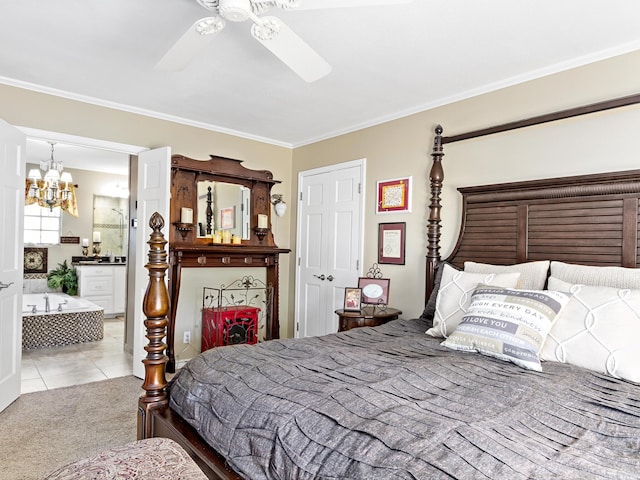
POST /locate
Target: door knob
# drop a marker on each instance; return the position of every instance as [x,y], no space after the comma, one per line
[7,285]
[330,278]
[321,277]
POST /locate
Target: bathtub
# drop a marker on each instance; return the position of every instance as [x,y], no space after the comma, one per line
[70,320]
[58,302]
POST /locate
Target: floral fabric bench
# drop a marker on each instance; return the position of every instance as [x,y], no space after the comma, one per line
[154,458]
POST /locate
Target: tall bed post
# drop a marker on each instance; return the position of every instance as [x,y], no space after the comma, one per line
[436,177]
[155,307]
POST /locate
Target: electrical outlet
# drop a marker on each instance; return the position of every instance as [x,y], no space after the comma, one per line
[186,336]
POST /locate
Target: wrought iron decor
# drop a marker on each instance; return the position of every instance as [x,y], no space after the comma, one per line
[236,313]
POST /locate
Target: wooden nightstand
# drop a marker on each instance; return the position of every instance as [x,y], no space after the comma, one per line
[367,317]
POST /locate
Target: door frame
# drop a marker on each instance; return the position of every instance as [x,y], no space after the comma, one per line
[88,142]
[362,163]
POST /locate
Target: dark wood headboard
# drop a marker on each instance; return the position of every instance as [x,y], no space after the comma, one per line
[586,219]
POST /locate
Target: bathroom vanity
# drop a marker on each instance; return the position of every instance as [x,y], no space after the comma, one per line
[104,285]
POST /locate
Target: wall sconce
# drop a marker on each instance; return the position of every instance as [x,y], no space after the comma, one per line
[279,204]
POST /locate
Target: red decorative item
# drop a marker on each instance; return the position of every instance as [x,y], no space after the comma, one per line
[393,196]
[229,326]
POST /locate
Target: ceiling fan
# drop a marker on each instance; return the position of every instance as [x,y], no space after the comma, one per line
[270,31]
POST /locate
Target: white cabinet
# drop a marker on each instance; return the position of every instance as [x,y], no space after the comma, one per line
[103,285]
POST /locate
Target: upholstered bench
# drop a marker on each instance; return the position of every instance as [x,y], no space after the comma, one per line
[151,459]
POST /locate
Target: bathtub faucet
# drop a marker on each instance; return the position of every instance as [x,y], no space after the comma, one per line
[60,305]
[47,307]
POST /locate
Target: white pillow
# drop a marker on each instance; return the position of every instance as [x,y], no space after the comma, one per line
[509,324]
[559,285]
[454,296]
[533,275]
[600,330]
[616,277]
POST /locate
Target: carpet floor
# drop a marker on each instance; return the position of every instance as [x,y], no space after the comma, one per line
[42,431]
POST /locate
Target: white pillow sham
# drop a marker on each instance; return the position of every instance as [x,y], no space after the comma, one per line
[454,296]
[533,275]
[599,329]
[615,277]
[508,324]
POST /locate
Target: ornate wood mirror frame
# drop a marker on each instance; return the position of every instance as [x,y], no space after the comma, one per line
[188,249]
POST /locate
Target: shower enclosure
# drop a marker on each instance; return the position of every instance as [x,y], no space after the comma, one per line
[110,219]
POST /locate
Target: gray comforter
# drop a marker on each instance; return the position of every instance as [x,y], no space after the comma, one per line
[391,403]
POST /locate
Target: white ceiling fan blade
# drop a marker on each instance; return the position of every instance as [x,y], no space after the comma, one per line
[194,41]
[285,44]
[320,4]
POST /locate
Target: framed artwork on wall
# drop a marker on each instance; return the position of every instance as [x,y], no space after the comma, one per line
[35,260]
[227,218]
[393,196]
[391,242]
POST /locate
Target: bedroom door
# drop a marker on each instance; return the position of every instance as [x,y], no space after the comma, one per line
[329,239]
[12,165]
[154,168]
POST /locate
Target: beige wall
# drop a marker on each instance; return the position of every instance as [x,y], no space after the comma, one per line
[45,112]
[600,142]
[398,148]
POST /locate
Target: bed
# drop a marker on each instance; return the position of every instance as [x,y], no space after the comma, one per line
[394,402]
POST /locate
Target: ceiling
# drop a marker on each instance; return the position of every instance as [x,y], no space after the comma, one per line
[78,156]
[388,61]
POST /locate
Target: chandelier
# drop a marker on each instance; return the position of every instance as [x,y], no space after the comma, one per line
[49,189]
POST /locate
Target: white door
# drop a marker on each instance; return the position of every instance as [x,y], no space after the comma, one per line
[329,239]
[154,167]
[12,165]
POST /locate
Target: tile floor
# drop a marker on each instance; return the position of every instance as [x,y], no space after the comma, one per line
[48,368]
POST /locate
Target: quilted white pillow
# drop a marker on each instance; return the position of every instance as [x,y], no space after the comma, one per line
[616,277]
[600,330]
[454,296]
[508,323]
[533,275]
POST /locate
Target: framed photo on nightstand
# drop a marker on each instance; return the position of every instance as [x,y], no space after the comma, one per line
[375,291]
[352,299]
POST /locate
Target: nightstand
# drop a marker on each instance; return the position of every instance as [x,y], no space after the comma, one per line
[367,317]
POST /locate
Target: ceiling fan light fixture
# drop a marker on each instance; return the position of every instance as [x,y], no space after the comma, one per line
[209,25]
[235,10]
[268,29]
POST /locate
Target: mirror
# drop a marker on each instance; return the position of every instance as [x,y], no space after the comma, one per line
[223,206]
[110,218]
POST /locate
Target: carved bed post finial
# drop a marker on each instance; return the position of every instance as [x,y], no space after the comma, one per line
[155,307]
[436,177]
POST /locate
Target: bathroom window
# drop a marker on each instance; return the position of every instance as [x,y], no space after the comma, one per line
[41,225]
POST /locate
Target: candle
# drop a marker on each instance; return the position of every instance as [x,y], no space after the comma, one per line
[262,221]
[215,238]
[96,237]
[236,240]
[186,215]
[85,242]
[226,236]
